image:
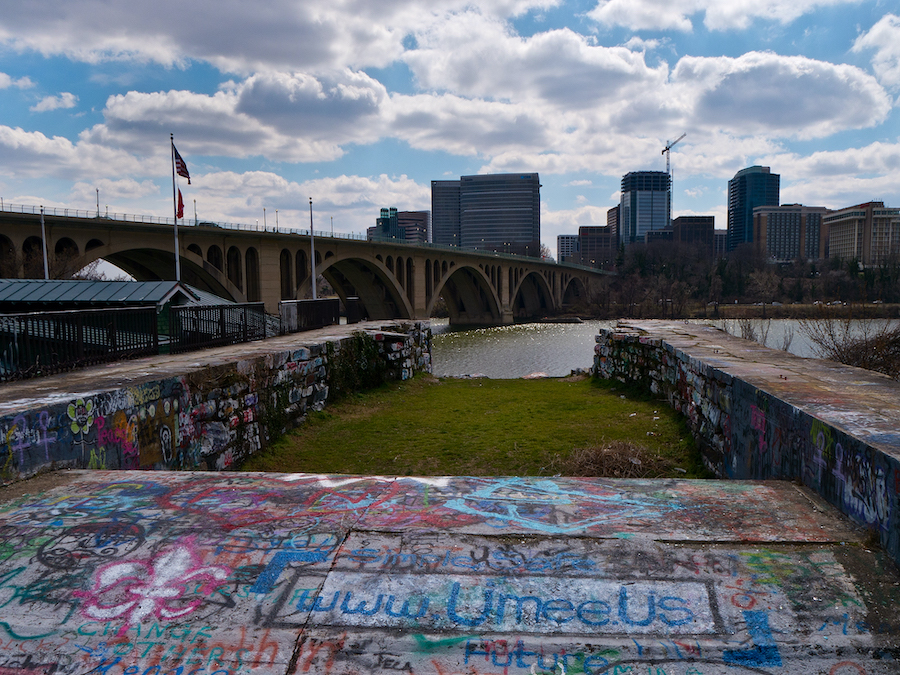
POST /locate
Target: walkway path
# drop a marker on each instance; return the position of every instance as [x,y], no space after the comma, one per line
[144,573]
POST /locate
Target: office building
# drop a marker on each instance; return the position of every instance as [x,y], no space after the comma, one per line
[720,243]
[645,205]
[386,226]
[566,247]
[869,233]
[598,246]
[496,212]
[696,231]
[445,212]
[750,187]
[659,236]
[790,232]
[416,226]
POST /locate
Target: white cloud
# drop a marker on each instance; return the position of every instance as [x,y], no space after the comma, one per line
[717,14]
[32,154]
[206,125]
[22,83]
[234,36]
[778,96]
[65,100]
[580,182]
[558,67]
[884,38]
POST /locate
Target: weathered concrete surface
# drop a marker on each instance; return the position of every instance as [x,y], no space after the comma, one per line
[201,410]
[763,413]
[151,573]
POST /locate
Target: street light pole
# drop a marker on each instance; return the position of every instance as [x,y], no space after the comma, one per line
[312,252]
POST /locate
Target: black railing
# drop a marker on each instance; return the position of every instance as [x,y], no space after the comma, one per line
[43,343]
[197,327]
[298,315]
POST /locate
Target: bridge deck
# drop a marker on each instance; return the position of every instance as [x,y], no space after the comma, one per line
[131,573]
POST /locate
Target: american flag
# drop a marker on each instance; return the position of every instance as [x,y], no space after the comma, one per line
[180,166]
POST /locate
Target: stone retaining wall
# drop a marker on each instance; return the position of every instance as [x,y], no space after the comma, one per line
[763,414]
[208,418]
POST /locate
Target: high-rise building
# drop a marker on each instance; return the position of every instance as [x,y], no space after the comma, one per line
[869,233]
[497,212]
[445,212]
[598,246]
[720,243]
[386,226]
[750,187]
[645,205]
[695,231]
[566,247]
[790,232]
[415,225]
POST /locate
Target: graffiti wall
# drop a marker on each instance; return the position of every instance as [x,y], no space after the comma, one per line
[749,432]
[152,573]
[208,418]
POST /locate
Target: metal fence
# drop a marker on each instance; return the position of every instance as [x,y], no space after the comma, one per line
[298,315]
[197,327]
[43,343]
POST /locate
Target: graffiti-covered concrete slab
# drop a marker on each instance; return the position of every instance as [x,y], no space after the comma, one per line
[161,573]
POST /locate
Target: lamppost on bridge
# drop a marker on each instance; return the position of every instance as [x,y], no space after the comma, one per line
[98,201]
[264,219]
[276,220]
[312,252]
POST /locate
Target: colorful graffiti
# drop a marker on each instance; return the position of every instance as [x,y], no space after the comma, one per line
[833,428]
[207,418]
[177,573]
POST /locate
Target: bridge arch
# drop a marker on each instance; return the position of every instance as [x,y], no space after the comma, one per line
[469,296]
[532,297]
[377,288]
[574,291]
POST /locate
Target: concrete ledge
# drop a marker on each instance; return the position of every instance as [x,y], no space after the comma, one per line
[203,410]
[762,413]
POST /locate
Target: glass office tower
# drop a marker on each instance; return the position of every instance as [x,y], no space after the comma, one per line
[750,187]
[645,205]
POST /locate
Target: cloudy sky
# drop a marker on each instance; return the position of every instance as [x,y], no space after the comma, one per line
[360,104]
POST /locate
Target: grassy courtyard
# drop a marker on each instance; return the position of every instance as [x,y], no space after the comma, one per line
[430,426]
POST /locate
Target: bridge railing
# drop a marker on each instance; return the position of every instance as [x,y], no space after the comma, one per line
[193,327]
[44,343]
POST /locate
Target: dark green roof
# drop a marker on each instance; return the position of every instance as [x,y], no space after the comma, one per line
[46,294]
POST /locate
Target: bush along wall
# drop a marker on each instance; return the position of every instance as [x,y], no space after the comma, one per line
[746,432]
[212,417]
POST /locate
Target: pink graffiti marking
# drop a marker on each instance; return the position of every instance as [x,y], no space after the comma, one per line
[160,587]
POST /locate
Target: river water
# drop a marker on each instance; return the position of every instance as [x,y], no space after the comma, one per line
[556,349]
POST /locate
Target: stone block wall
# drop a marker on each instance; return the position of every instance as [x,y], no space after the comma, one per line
[747,432]
[209,418]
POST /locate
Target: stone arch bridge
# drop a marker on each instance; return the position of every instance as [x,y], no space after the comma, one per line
[392,280]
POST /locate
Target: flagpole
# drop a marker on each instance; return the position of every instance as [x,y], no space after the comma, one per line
[175,211]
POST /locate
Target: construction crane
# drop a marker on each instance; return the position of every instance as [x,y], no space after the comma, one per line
[665,151]
[668,147]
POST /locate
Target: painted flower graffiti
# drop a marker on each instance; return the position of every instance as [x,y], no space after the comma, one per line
[161,588]
[81,413]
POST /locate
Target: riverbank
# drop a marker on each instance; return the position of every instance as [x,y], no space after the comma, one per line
[850,310]
[482,427]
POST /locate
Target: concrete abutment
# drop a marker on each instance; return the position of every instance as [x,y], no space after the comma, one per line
[760,413]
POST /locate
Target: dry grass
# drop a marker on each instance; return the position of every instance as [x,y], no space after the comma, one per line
[616,459]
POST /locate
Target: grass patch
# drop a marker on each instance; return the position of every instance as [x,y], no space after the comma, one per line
[428,426]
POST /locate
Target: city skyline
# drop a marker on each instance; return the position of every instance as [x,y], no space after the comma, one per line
[360,106]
